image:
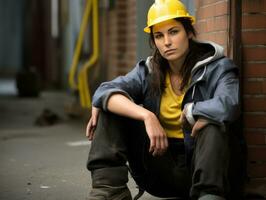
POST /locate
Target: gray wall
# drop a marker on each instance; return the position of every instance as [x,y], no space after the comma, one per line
[11,35]
[143,48]
[72,19]
[190,6]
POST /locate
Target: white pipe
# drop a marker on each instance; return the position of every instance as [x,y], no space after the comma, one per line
[54,18]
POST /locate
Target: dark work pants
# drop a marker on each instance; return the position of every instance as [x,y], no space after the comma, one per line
[119,140]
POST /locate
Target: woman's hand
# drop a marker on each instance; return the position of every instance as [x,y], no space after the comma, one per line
[156,134]
[200,124]
[92,123]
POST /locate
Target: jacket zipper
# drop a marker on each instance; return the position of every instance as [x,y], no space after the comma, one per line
[194,85]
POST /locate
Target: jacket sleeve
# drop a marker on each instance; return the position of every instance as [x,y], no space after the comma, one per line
[131,85]
[223,106]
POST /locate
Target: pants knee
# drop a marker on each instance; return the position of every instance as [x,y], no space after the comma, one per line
[212,136]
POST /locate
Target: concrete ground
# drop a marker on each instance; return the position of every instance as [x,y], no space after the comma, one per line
[42,162]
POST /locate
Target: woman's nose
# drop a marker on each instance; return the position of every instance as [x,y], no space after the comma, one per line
[167,40]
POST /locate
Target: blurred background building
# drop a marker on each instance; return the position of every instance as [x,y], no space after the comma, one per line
[38,41]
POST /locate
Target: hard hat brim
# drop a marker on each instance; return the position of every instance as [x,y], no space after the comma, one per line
[147,29]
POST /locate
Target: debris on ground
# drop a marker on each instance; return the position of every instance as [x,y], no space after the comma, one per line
[47,118]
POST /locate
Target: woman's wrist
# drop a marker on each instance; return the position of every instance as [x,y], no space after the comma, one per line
[146,115]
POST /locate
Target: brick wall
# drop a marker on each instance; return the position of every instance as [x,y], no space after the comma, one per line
[254,85]
[212,21]
[213,24]
[121,33]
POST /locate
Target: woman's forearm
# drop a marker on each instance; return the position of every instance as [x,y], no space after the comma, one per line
[121,105]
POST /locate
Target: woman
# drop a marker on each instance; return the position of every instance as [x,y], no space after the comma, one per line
[169,118]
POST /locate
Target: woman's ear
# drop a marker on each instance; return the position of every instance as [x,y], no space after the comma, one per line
[190,35]
[151,41]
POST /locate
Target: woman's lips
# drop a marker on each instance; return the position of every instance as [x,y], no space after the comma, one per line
[170,51]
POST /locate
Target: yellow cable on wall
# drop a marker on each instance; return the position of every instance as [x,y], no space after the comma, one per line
[84,90]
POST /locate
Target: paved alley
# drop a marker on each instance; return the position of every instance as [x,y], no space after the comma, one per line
[42,162]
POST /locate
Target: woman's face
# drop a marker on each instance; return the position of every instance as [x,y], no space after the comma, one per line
[171,40]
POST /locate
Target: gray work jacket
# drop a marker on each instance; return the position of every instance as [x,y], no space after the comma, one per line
[213,92]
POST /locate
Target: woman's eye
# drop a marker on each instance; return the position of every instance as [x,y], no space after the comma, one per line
[173,32]
[158,36]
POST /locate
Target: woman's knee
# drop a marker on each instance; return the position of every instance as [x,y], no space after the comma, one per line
[213,134]
[115,138]
[108,120]
[212,141]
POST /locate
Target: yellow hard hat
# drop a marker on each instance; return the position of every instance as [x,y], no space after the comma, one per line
[162,10]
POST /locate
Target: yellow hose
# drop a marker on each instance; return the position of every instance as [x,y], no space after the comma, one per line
[94,57]
[83,84]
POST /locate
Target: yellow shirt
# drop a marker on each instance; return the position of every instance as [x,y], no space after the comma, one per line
[170,111]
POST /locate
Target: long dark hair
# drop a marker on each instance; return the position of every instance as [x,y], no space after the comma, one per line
[160,64]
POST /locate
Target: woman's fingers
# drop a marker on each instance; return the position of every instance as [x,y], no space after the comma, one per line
[91,133]
[152,145]
[158,145]
[157,135]
[165,144]
[91,128]
[88,129]
[157,150]
[92,123]
[200,124]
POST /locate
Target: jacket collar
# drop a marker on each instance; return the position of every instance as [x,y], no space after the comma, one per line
[218,53]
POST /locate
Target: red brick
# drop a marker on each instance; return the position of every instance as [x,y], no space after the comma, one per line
[252,120]
[221,37]
[206,2]
[252,87]
[122,15]
[121,4]
[257,170]
[254,37]
[253,21]
[221,22]
[121,24]
[206,36]
[201,26]
[205,12]
[254,104]
[255,137]
[212,37]
[255,70]
[121,47]
[212,10]
[120,72]
[221,8]
[264,87]
[254,53]
[257,153]
[216,23]
[121,64]
[121,40]
[218,37]
[210,25]
[197,4]
[253,6]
